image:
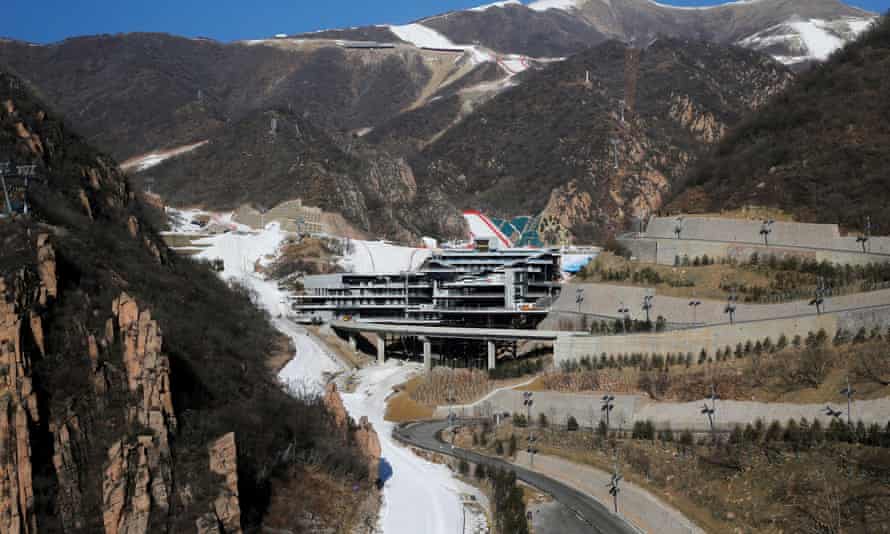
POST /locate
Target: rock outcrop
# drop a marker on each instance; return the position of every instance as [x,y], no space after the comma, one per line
[226,515]
[334,404]
[138,478]
[369,444]
[18,408]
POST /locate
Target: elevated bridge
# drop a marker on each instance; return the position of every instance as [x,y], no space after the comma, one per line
[427,333]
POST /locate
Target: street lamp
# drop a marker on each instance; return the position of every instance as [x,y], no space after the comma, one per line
[694,304]
[863,239]
[710,411]
[765,230]
[625,315]
[613,485]
[831,412]
[647,305]
[848,392]
[527,401]
[608,404]
[532,450]
[819,299]
[731,305]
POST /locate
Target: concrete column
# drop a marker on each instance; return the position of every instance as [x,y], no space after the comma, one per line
[381,350]
[491,355]
[353,344]
[427,355]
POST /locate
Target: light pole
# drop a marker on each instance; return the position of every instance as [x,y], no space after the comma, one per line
[864,239]
[613,485]
[711,411]
[625,312]
[694,304]
[765,230]
[731,304]
[532,450]
[608,404]
[678,227]
[527,401]
[647,305]
[831,412]
[848,392]
[819,299]
[452,417]
[579,298]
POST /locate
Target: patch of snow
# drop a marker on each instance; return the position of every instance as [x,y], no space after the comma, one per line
[496,4]
[818,41]
[382,257]
[544,5]
[813,39]
[152,159]
[241,251]
[312,366]
[419,496]
[424,37]
[421,36]
[704,8]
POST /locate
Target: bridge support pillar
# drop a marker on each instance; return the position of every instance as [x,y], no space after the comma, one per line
[491,355]
[353,343]
[381,349]
[427,355]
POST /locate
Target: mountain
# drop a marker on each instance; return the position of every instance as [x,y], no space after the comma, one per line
[136,392]
[818,151]
[372,117]
[556,144]
[134,93]
[793,31]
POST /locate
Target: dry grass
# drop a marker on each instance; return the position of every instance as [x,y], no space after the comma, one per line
[466,385]
[707,279]
[734,378]
[310,500]
[748,489]
[402,408]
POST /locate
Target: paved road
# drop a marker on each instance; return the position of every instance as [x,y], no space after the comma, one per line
[589,515]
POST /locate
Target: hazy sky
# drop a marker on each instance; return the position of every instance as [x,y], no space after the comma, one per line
[44,21]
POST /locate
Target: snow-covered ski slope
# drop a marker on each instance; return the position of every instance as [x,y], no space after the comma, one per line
[813,39]
[419,497]
[481,227]
[367,257]
[425,37]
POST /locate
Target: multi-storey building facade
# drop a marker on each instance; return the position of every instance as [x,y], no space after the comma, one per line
[509,287]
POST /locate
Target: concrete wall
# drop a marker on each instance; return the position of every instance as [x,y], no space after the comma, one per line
[665,251]
[604,300]
[740,238]
[585,408]
[694,340]
[711,338]
[286,214]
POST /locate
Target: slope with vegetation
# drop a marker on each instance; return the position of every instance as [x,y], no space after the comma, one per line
[547,144]
[818,151]
[136,393]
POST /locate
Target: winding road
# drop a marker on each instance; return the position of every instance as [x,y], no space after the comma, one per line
[583,514]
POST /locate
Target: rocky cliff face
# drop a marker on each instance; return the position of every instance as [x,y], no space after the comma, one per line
[126,404]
